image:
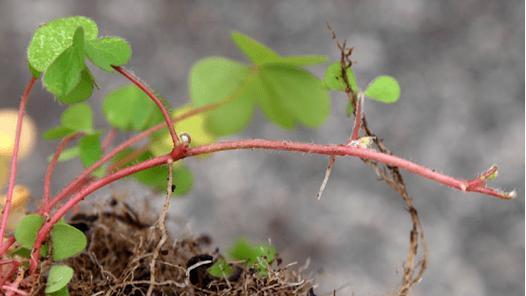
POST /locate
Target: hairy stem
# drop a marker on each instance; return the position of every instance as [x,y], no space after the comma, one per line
[46,228]
[108,140]
[11,272]
[126,159]
[358,118]
[51,168]
[330,150]
[14,158]
[8,242]
[344,150]
[155,99]
[70,188]
[13,288]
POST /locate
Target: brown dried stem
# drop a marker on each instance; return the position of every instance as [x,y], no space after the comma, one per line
[413,272]
[161,223]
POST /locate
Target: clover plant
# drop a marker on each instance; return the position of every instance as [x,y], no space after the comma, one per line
[223,95]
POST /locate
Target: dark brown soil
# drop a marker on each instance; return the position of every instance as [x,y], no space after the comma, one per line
[120,251]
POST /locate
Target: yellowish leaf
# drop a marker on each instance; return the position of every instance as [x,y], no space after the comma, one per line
[194,126]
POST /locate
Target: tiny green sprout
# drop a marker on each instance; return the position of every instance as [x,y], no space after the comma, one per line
[493,175]
[221,269]
[258,257]
[255,256]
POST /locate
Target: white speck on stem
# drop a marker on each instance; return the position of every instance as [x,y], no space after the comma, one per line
[185,138]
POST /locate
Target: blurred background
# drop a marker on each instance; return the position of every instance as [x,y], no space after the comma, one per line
[460,66]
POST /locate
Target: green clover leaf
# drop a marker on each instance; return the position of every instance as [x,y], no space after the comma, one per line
[58,278]
[52,38]
[384,89]
[64,74]
[107,51]
[67,241]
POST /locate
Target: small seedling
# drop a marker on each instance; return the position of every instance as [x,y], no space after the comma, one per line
[221,269]
[223,96]
[257,257]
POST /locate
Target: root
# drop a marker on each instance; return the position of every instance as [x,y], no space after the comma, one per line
[129,254]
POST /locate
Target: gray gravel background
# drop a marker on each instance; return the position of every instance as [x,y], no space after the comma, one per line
[460,64]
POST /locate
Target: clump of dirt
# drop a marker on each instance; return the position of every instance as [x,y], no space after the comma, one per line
[122,244]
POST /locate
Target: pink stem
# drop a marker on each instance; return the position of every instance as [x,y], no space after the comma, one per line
[12,289]
[14,158]
[166,115]
[344,150]
[6,261]
[11,272]
[73,185]
[6,245]
[44,231]
[354,136]
[106,143]
[51,167]
[482,179]
[358,118]
[70,188]
[127,159]
[182,152]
